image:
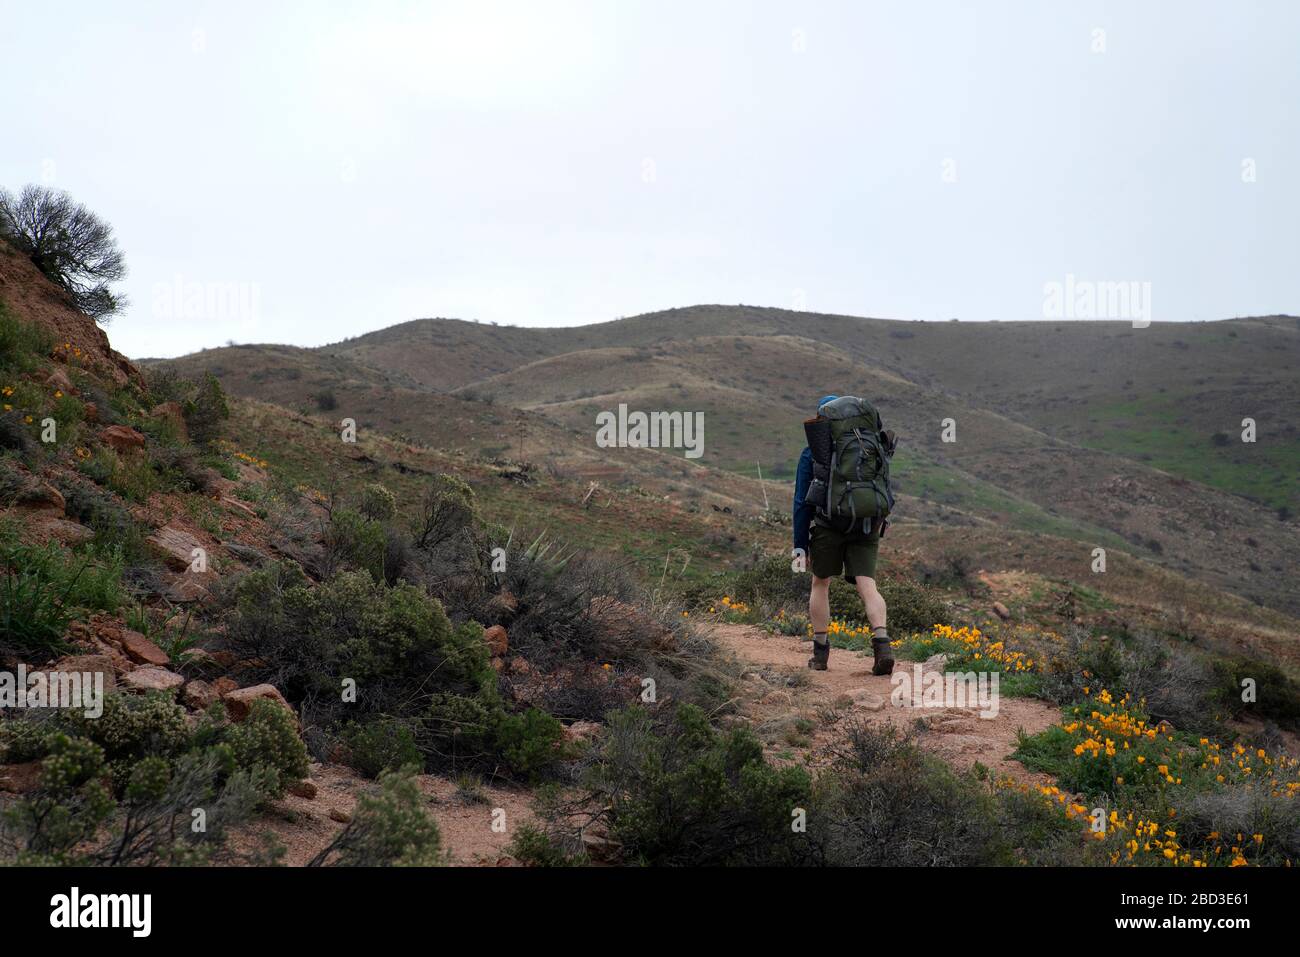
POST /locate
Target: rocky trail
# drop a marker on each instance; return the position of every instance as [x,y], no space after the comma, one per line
[800,712]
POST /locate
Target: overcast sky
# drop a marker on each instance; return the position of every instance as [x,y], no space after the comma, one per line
[306,172]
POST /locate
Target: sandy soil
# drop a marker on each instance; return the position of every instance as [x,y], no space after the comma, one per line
[782,689]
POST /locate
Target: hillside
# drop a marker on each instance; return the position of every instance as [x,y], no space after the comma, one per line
[1093,431]
[497,591]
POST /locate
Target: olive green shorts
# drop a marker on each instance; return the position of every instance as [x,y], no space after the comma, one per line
[833,553]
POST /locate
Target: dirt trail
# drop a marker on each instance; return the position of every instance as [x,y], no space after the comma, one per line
[783,698]
[304,825]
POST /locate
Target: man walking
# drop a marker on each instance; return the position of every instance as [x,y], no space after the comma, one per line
[841,502]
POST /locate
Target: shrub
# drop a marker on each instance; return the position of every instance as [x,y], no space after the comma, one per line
[688,794]
[268,739]
[377,503]
[530,742]
[446,510]
[354,541]
[887,803]
[912,606]
[390,828]
[205,411]
[396,643]
[384,744]
[534,847]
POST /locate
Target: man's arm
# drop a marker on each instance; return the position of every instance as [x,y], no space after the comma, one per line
[803,514]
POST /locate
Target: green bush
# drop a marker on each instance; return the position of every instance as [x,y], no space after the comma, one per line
[887,803]
[268,738]
[407,661]
[205,411]
[384,744]
[530,742]
[45,586]
[377,503]
[390,828]
[356,542]
[687,794]
[912,607]
[534,847]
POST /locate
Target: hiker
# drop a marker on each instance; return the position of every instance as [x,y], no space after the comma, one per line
[842,500]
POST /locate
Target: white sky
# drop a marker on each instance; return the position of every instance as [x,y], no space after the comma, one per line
[339,167]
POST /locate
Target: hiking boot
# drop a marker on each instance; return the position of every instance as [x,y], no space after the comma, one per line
[821,655]
[884,656]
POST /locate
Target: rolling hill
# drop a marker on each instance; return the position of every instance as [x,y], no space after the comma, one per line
[1093,432]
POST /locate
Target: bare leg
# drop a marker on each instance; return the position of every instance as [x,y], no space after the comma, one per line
[819,604]
[871,598]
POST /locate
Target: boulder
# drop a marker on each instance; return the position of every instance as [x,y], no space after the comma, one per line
[303,789]
[58,379]
[63,531]
[601,848]
[175,545]
[497,640]
[246,553]
[186,588]
[223,686]
[198,695]
[233,504]
[581,731]
[343,817]
[89,664]
[867,699]
[150,678]
[121,438]
[141,650]
[41,498]
[935,663]
[239,703]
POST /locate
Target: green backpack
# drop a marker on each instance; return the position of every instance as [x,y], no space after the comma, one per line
[851,454]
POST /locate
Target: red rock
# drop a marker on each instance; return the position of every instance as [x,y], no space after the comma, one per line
[89,664]
[303,789]
[141,650]
[58,379]
[121,438]
[239,506]
[198,694]
[63,531]
[581,731]
[497,639]
[150,678]
[20,778]
[175,545]
[223,686]
[41,498]
[91,412]
[239,703]
[186,588]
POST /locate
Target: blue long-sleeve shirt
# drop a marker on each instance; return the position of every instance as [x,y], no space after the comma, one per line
[803,514]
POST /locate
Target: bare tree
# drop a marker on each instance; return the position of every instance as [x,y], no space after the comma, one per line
[72,246]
